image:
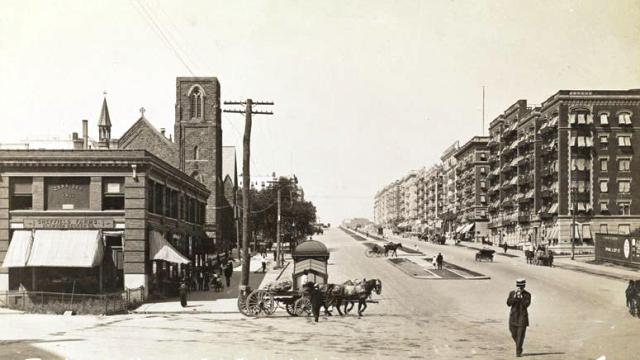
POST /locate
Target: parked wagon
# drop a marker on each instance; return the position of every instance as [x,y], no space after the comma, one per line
[485,254]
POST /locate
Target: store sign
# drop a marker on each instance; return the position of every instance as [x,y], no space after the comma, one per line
[617,248]
[68,223]
[67,193]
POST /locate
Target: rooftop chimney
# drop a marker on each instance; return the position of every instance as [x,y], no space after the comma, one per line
[85,134]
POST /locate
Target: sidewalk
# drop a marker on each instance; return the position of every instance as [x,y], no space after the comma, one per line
[581,264]
[224,302]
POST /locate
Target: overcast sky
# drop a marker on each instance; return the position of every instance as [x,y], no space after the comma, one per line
[364,90]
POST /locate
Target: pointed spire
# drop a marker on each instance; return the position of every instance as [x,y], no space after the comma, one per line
[105,120]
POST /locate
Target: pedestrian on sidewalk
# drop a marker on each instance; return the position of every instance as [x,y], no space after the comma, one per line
[631,293]
[182,290]
[505,247]
[264,264]
[228,271]
[519,300]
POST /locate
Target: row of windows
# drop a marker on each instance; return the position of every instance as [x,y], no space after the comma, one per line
[622,140]
[624,118]
[623,164]
[624,186]
[66,193]
[163,200]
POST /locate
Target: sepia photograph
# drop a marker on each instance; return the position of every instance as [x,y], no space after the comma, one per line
[310,180]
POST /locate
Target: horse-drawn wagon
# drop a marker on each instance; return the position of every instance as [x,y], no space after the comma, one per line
[377,251]
[485,254]
[310,268]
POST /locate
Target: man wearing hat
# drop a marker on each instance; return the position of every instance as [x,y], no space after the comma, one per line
[519,300]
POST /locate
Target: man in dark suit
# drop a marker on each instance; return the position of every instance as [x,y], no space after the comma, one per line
[519,300]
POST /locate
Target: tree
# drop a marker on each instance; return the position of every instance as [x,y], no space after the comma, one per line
[297,215]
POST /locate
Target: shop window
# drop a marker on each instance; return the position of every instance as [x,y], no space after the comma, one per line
[603,165]
[624,165]
[604,228]
[624,186]
[21,193]
[624,229]
[624,208]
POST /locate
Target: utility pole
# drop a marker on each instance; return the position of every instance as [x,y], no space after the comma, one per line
[482,110]
[246,179]
[278,248]
[574,197]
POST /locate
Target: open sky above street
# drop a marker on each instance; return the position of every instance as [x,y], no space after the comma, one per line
[364,90]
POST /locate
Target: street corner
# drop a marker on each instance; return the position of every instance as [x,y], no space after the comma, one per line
[423,269]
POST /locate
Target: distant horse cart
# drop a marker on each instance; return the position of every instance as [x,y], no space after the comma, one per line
[539,257]
[376,250]
[485,254]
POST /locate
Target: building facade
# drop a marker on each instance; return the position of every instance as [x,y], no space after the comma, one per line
[102,219]
[471,185]
[572,154]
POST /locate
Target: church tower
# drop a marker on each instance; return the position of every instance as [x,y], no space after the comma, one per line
[198,134]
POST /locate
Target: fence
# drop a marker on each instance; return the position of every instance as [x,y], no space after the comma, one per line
[57,303]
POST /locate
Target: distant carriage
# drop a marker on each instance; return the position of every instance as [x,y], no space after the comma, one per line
[376,251]
[485,254]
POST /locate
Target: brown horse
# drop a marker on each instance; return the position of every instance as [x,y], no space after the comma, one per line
[393,247]
[348,294]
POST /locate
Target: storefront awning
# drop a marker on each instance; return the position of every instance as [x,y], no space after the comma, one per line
[19,249]
[161,249]
[66,248]
[471,227]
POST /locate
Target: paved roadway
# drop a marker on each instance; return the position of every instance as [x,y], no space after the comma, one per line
[573,316]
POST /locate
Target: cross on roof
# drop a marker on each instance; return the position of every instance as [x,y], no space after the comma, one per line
[142,110]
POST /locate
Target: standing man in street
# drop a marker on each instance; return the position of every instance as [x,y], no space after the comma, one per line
[228,271]
[316,301]
[439,260]
[519,300]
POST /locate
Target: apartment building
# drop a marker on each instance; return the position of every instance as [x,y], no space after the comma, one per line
[471,186]
[450,209]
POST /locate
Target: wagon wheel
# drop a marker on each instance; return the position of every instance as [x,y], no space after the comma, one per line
[290,307]
[369,253]
[302,307]
[242,305]
[260,301]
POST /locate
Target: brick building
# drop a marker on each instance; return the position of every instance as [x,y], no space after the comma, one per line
[192,163]
[106,219]
[471,171]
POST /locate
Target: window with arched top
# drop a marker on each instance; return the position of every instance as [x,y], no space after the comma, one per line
[196,97]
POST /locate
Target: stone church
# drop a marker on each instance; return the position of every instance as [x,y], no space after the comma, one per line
[196,148]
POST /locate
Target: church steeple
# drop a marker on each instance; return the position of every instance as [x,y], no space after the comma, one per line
[104,123]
